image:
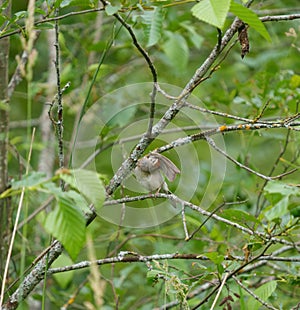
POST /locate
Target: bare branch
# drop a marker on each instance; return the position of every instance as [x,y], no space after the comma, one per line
[130,163]
[130,257]
[150,64]
[252,294]
[52,19]
[225,277]
[278,18]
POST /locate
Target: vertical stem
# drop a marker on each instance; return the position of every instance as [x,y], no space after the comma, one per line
[4,119]
[59,102]
[47,155]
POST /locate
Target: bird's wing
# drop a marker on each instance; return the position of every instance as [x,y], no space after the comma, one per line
[167,166]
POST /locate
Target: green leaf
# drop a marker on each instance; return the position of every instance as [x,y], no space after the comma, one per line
[249,17]
[177,51]
[65,3]
[278,194]
[31,180]
[63,279]
[40,11]
[277,210]
[194,37]
[88,184]
[111,10]
[213,12]
[295,81]
[239,216]
[45,26]
[20,14]
[215,257]
[295,211]
[80,201]
[276,187]
[253,246]
[264,292]
[67,224]
[153,20]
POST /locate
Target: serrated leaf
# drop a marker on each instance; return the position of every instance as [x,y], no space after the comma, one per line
[88,184]
[264,292]
[213,12]
[153,20]
[81,203]
[67,224]
[177,51]
[249,17]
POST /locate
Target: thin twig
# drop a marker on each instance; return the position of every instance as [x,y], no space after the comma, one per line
[223,114]
[227,128]
[266,237]
[42,207]
[137,152]
[164,93]
[232,273]
[283,150]
[214,146]
[214,283]
[252,294]
[226,274]
[129,257]
[52,19]
[260,114]
[213,212]
[150,64]
[278,18]
[60,124]
[36,260]
[212,143]
[70,14]
[184,223]
[36,275]
[16,224]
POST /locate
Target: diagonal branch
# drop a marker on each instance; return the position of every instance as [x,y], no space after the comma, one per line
[169,115]
[252,294]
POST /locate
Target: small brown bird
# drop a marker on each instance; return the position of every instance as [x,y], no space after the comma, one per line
[149,171]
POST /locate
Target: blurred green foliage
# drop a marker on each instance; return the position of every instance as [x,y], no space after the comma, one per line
[177,43]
